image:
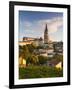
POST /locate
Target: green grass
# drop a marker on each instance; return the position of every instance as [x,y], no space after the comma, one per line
[39,72]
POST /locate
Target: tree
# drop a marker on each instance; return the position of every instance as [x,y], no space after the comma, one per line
[30,48]
[58,57]
[42,59]
[32,59]
[20,51]
[23,51]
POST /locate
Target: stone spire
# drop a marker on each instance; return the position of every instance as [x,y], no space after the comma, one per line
[46,35]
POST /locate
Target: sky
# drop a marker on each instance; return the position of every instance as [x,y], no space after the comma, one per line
[32,24]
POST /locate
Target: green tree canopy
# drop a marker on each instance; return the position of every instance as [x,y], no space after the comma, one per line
[24,52]
[32,59]
[42,59]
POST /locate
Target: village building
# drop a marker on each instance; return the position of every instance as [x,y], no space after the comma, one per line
[54,63]
[49,49]
[58,48]
[38,41]
[28,40]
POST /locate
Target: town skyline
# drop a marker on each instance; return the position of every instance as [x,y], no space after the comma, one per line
[32,24]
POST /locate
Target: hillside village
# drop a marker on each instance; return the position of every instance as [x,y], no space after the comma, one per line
[51,53]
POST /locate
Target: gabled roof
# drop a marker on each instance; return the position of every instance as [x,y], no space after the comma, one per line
[54,62]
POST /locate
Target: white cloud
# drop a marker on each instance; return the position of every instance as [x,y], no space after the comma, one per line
[53,24]
[37,28]
[52,38]
[25,24]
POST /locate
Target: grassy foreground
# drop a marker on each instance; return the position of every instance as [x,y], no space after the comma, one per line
[39,72]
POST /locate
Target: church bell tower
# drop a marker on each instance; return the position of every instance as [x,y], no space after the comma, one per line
[46,35]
